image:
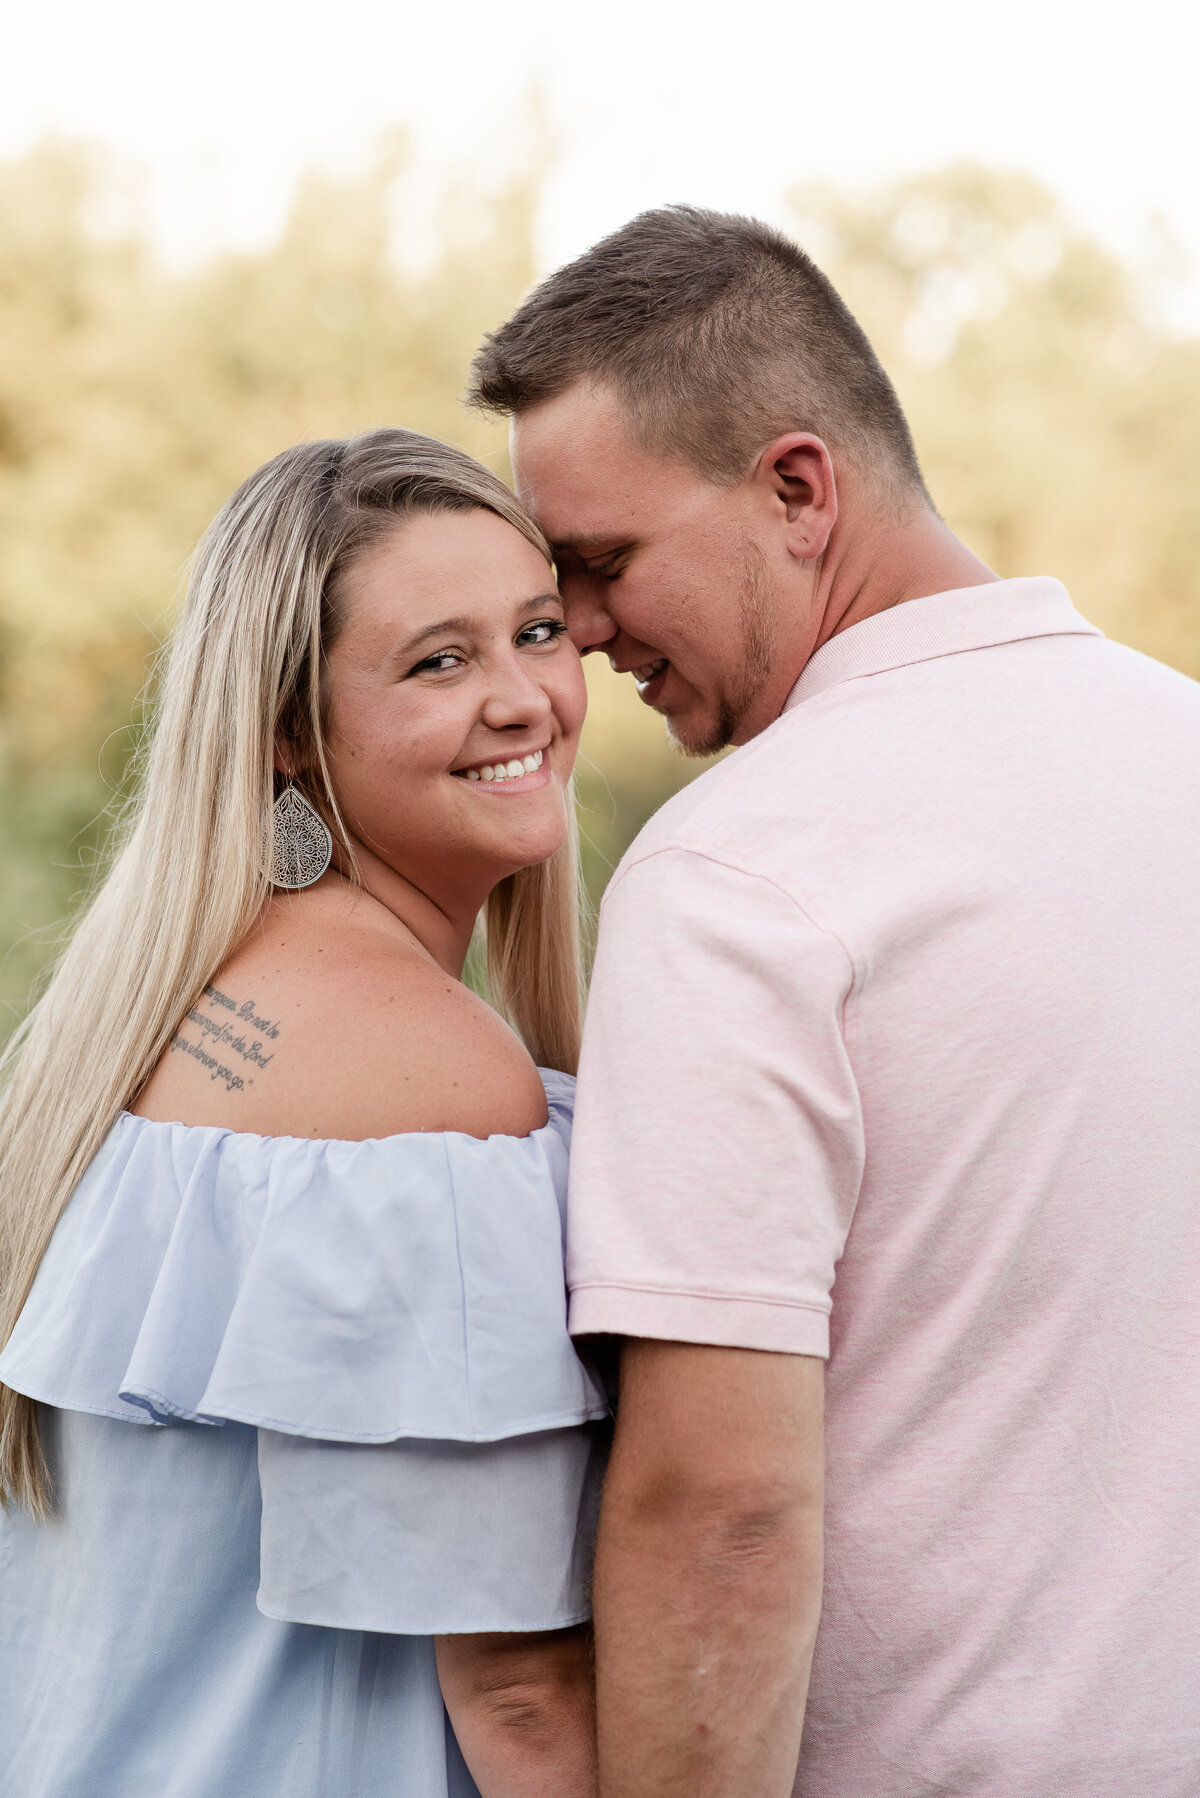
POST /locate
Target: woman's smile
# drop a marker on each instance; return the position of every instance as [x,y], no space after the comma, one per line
[517,774]
[454,663]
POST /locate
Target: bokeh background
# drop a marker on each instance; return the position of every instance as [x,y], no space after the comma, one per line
[228,227]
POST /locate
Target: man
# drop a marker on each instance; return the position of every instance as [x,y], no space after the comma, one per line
[890,1094]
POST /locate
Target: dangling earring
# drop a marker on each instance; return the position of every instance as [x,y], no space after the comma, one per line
[303,845]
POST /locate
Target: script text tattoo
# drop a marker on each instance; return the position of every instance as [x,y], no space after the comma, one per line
[227,1028]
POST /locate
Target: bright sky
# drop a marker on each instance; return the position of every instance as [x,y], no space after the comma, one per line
[223,101]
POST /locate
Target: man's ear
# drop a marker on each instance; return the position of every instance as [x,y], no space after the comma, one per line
[795,474]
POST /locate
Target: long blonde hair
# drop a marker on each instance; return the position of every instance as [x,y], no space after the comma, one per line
[190,875]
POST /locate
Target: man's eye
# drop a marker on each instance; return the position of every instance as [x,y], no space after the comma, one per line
[611,569]
[546,630]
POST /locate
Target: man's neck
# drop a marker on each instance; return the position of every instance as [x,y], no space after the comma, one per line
[872,571]
[872,563]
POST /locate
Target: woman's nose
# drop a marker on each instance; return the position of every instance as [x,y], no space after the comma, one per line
[515,697]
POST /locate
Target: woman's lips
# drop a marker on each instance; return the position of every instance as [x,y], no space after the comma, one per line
[520,774]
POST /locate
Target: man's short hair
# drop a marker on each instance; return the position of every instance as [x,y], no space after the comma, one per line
[716,334]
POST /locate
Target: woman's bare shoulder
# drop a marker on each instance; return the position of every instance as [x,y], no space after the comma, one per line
[347,1033]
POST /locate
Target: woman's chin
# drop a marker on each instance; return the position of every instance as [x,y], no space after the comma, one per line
[524,849]
[521,830]
[534,855]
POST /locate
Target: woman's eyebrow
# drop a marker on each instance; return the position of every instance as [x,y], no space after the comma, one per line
[446,627]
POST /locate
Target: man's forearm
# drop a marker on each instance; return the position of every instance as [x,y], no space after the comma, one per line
[707,1601]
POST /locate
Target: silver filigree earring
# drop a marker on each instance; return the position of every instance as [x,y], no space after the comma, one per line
[303,845]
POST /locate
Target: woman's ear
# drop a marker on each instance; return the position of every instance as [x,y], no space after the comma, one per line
[285,756]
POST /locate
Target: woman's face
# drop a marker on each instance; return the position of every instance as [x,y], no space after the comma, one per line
[455,703]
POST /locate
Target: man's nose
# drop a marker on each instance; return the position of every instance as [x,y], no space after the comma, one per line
[589,623]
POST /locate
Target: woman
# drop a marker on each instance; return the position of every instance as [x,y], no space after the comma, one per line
[292,1428]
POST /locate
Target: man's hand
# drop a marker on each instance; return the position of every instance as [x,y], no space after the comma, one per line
[708,1572]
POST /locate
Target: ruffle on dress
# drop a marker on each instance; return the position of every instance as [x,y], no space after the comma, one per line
[389,1315]
[409,1286]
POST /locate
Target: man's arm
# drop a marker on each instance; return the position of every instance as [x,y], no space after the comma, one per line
[708,1572]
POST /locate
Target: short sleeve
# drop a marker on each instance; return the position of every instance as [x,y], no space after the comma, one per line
[430,1538]
[718,1146]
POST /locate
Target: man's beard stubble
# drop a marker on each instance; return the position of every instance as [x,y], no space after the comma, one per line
[758,644]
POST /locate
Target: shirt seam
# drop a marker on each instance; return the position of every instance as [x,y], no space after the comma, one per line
[695,1292]
[721,861]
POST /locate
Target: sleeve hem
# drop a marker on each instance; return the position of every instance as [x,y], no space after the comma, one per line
[423,1625]
[724,1322]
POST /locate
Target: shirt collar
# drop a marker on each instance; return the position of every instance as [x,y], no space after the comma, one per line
[942,624]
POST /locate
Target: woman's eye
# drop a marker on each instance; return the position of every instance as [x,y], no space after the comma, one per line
[546,630]
[441,663]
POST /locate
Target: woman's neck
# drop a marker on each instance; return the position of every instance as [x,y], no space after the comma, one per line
[441,926]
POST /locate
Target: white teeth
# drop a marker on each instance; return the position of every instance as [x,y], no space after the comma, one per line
[507,770]
[648,670]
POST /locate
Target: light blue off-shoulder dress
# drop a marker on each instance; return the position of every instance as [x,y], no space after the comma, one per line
[307,1404]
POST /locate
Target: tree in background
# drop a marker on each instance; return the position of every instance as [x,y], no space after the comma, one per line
[133,402]
[1057,424]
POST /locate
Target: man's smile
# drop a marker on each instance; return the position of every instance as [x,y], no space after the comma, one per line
[647,671]
[648,676]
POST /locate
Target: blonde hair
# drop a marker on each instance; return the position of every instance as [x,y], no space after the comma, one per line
[190,876]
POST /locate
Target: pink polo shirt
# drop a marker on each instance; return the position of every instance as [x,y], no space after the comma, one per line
[893,1056]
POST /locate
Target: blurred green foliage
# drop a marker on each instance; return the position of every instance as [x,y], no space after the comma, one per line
[1058,426]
